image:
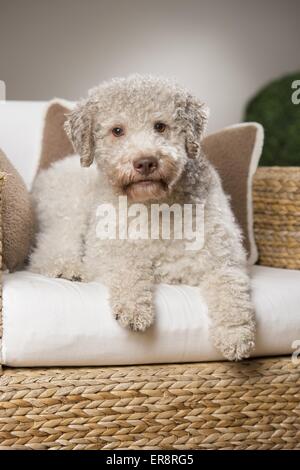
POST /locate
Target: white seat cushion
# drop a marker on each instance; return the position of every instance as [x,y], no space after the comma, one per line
[54,322]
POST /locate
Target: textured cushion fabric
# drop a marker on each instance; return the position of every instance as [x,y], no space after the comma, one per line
[17,217]
[55,143]
[57,322]
[234,152]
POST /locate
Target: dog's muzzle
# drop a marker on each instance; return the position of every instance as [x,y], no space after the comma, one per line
[147,177]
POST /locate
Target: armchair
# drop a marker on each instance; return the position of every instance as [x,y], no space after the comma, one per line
[253,404]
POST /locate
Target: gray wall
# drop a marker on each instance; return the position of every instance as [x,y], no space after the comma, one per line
[223,50]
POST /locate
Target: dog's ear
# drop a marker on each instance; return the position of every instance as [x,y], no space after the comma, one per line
[79,129]
[197,114]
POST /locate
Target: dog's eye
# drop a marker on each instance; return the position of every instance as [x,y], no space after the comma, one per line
[160,127]
[117,131]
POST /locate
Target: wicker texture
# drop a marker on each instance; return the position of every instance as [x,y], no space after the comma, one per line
[276,197]
[249,405]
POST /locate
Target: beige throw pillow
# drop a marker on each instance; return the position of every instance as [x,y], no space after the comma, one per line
[17,217]
[235,152]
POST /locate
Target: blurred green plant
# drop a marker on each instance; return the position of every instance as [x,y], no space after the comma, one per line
[274,108]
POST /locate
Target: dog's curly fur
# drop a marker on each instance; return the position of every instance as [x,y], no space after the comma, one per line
[66,197]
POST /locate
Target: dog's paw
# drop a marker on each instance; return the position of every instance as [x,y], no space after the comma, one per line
[65,270]
[70,272]
[136,318]
[235,342]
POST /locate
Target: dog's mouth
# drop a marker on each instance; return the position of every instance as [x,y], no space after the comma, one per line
[145,189]
[145,183]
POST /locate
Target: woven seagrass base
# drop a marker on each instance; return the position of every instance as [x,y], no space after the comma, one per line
[276,199]
[247,405]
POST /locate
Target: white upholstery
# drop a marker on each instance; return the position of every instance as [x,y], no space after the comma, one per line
[20,135]
[21,124]
[58,322]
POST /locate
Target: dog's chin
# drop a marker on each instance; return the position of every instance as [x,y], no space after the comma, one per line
[146,190]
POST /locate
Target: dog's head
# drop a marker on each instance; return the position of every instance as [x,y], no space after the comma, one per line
[141,131]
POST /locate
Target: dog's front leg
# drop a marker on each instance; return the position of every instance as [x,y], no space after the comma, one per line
[131,293]
[227,292]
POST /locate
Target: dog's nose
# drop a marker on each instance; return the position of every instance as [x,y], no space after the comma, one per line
[145,165]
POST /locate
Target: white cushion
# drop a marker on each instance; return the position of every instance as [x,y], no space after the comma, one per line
[21,130]
[58,322]
[20,135]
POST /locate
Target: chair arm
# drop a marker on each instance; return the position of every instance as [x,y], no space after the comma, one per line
[276,200]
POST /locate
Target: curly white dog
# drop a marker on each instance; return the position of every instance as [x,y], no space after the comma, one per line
[144,134]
